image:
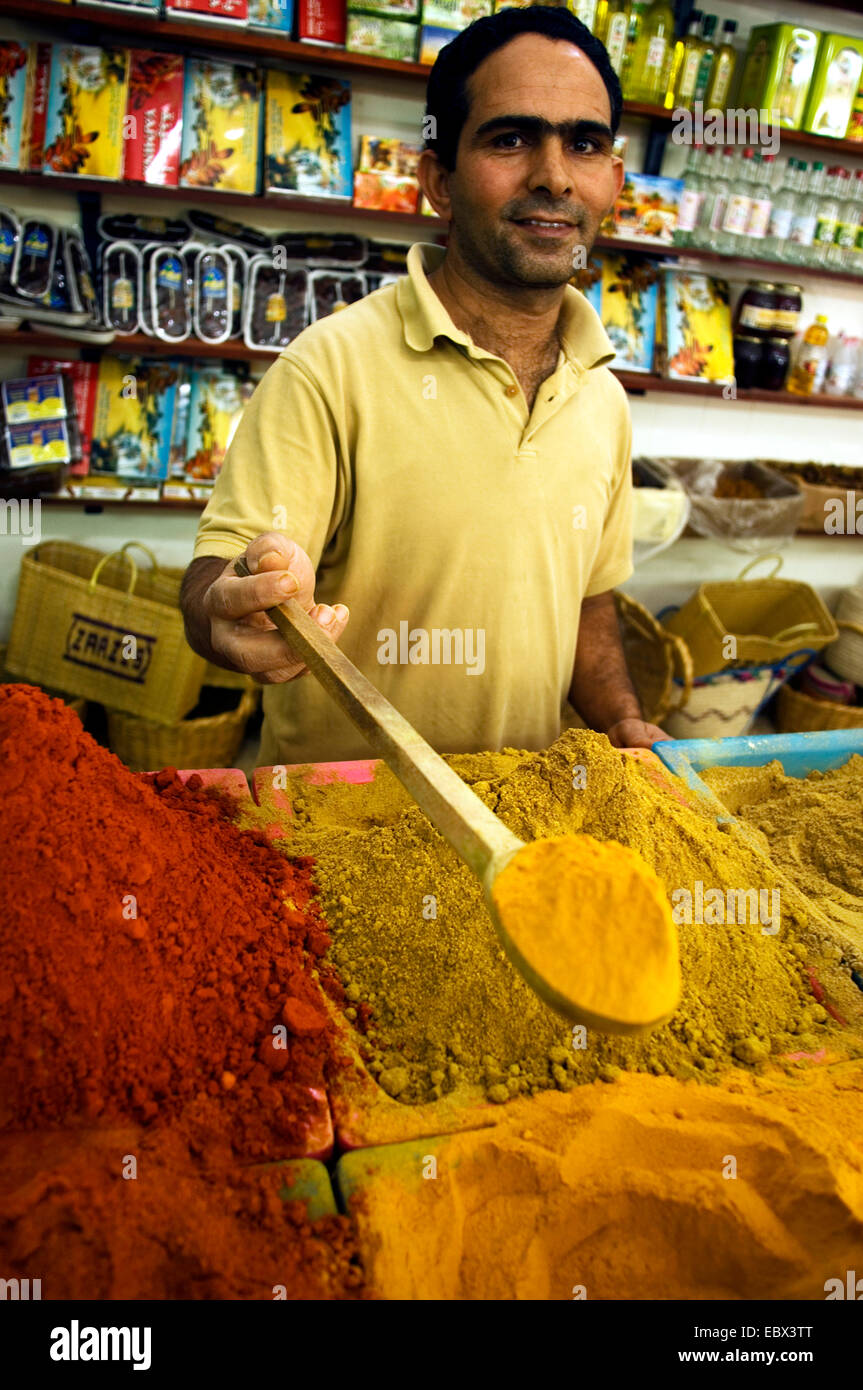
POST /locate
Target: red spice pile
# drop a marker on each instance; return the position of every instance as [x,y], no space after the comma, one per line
[105,1014]
[155,971]
[174,1231]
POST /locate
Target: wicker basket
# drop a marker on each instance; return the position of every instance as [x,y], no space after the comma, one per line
[798,713]
[655,657]
[210,742]
[845,656]
[79,706]
[725,706]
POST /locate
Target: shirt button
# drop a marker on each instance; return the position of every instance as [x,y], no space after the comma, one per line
[512,390]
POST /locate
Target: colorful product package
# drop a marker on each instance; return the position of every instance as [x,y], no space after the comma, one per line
[87,97]
[697,337]
[33,266]
[386,177]
[133,418]
[154,118]
[36,112]
[208,11]
[395,9]
[383,36]
[455,14]
[170,300]
[213,294]
[151,7]
[221,126]
[321,248]
[83,377]
[10,233]
[16,59]
[321,21]
[121,286]
[216,404]
[624,291]
[432,40]
[272,14]
[277,303]
[647,208]
[40,442]
[838,77]
[778,70]
[308,137]
[331,290]
[30,398]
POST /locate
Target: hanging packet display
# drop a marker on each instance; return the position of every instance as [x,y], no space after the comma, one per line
[82,376]
[240,269]
[170,303]
[10,232]
[121,286]
[41,442]
[331,290]
[214,295]
[33,265]
[33,398]
[276,304]
[87,96]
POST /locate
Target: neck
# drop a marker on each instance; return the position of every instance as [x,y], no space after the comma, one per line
[497,317]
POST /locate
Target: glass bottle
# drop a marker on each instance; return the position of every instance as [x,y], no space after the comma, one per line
[722,76]
[857,258]
[762,204]
[708,53]
[775,245]
[806,213]
[840,253]
[637,9]
[684,67]
[811,360]
[615,31]
[585,10]
[732,240]
[652,54]
[715,200]
[827,218]
[691,198]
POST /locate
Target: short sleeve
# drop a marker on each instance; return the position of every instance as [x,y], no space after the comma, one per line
[282,471]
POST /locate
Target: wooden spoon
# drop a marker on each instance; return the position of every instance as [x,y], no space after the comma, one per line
[487,846]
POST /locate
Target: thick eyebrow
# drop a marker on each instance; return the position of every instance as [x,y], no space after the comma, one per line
[538,125]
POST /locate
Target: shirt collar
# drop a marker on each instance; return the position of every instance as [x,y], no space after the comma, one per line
[583,338]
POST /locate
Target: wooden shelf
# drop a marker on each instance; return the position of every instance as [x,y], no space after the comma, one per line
[639,384]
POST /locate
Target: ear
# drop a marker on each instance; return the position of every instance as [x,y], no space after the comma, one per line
[434,182]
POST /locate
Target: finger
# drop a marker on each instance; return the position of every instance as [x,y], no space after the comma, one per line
[273,552]
[333,621]
[230,597]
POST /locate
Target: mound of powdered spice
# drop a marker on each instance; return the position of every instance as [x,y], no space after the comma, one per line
[412,940]
[148,949]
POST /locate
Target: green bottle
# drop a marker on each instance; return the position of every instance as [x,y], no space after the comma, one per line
[719,88]
[708,52]
[653,54]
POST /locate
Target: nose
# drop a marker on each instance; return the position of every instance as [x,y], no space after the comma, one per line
[549,169]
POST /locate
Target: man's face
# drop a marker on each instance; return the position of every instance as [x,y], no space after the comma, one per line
[535,173]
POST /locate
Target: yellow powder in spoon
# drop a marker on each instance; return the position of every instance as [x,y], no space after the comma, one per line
[592,920]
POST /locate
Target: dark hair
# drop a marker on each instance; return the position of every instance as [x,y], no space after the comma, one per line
[446,97]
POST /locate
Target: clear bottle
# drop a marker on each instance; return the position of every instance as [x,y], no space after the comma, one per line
[585,10]
[716,190]
[732,240]
[775,245]
[840,254]
[722,76]
[637,10]
[827,219]
[857,257]
[652,54]
[708,54]
[691,198]
[810,363]
[614,32]
[806,213]
[762,204]
[684,67]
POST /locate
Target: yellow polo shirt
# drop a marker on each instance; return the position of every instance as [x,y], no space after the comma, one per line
[461,529]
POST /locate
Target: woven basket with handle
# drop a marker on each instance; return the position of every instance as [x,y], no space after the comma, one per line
[845,656]
[799,713]
[656,658]
[213,741]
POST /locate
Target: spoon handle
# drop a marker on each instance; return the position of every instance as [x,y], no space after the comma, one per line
[475,832]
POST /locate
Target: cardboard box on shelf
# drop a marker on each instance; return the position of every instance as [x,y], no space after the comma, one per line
[383,36]
[208,11]
[454,14]
[647,208]
[396,9]
[697,338]
[386,175]
[321,21]
[273,14]
[154,118]
[624,290]
[308,134]
[216,404]
[87,94]
[133,417]
[221,126]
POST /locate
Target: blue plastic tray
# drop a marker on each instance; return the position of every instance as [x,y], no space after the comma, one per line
[798,754]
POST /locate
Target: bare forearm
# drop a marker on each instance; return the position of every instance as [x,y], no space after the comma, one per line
[196,581]
[601,689]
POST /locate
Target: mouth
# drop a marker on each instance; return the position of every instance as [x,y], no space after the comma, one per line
[545,226]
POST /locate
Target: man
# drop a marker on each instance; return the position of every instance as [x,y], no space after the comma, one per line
[449,459]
